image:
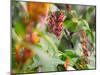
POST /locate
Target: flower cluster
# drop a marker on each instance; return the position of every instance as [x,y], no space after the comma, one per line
[23,54]
[55,23]
[32,37]
[84,44]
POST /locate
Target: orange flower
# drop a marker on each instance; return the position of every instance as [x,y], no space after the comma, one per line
[23,54]
[32,37]
[67,62]
[36,10]
[35,37]
[17,48]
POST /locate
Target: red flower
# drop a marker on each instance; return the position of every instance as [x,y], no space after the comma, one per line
[55,23]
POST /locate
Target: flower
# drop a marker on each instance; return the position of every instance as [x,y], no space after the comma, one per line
[35,10]
[84,43]
[67,62]
[55,23]
[32,37]
[23,54]
[27,54]
[35,38]
[36,13]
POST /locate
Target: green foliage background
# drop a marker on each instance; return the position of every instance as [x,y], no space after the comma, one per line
[51,53]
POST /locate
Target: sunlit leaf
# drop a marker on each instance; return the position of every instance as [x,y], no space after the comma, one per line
[70,25]
[20,28]
[83,24]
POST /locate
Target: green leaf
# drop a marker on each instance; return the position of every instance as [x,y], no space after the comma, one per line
[89,12]
[49,63]
[83,24]
[72,61]
[91,9]
[13,61]
[20,28]
[50,42]
[64,44]
[91,36]
[70,25]
[71,54]
[60,67]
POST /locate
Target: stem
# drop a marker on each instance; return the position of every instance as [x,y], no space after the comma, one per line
[15,37]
